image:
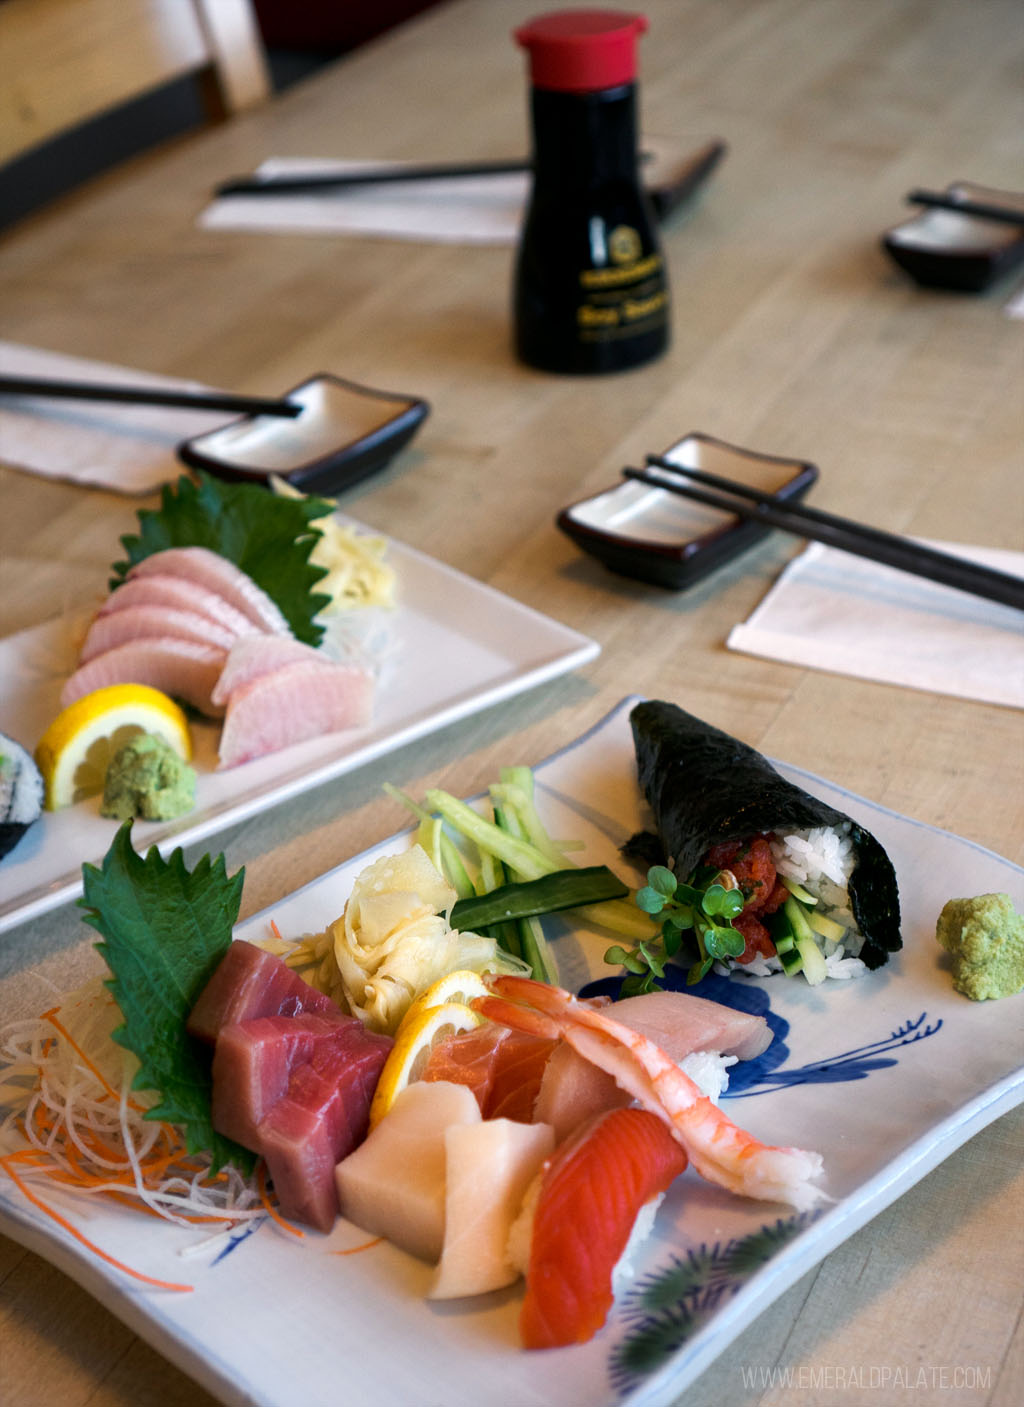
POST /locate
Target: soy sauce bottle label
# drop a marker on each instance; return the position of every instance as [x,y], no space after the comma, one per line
[591,290]
[628,298]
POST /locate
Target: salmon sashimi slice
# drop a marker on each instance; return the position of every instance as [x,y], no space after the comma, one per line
[179,594]
[216,573]
[181,668]
[256,655]
[580,1218]
[502,1067]
[148,622]
[291,705]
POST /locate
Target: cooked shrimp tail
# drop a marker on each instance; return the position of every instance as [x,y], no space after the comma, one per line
[720,1150]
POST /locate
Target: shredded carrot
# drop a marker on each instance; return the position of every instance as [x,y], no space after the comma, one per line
[352,1250]
[7,1164]
[94,1069]
[271,1210]
[276,931]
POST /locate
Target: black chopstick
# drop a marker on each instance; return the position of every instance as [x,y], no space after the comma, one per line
[941,200]
[859,539]
[366,176]
[147,395]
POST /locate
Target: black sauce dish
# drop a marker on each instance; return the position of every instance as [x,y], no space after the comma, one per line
[344,432]
[942,248]
[654,535]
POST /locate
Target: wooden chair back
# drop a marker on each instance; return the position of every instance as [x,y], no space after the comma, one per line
[65,61]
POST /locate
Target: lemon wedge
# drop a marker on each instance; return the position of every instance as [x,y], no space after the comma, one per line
[416,1037]
[75,751]
[462,985]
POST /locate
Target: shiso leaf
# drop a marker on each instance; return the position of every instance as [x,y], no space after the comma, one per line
[269,537]
[164,931]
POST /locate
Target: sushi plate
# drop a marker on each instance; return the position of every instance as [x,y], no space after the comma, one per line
[451,647]
[885,1075]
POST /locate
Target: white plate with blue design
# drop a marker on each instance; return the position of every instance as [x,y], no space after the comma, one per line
[885,1076]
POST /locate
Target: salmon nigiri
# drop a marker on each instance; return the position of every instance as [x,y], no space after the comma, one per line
[579,1217]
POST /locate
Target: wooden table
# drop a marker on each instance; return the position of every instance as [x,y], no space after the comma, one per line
[793,334]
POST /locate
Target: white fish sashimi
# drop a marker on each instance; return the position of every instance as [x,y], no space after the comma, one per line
[177,593]
[488,1168]
[153,622]
[290,705]
[393,1184]
[181,668]
[255,655]
[215,573]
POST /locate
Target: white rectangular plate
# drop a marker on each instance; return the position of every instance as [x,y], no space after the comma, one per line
[885,1076]
[456,646]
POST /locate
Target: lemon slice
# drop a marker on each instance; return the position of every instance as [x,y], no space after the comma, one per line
[75,751]
[414,1040]
[459,986]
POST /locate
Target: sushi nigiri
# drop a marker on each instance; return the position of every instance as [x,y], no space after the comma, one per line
[579,1218]
[21,793]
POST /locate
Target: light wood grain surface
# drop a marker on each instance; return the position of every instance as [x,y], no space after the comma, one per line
[66,61]
[792,334]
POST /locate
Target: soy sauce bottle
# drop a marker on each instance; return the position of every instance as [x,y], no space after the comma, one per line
[591,288]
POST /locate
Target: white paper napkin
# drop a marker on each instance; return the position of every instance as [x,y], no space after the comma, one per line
[833,611]
[127,448]
[463,210]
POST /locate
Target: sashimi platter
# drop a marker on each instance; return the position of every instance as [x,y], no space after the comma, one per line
[542,1100]
[249,646]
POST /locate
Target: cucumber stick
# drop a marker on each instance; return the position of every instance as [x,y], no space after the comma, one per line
[563,889]
[803,936]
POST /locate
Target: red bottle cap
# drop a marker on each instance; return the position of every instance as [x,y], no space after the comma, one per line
[582,51]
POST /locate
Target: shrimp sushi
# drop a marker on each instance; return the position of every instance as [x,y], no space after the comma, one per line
[21,793]
[579,1218]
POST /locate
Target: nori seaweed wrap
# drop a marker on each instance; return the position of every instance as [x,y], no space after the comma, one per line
[706,788]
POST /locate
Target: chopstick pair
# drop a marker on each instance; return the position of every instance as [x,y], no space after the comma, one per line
[986,210]
[148,395]
[366,176]
[858,539]
[377,175]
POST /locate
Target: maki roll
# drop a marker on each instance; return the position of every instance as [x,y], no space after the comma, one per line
[21,793]
[817,892]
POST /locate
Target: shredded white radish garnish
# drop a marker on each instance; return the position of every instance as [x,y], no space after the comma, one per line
[71,1117]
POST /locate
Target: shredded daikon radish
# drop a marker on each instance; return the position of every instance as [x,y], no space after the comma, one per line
[70,1116]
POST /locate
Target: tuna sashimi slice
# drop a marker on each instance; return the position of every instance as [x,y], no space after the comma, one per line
[488,1168]
[253,1062]
[321,1118]
[177,593]
[249,982]
[502,1067]
[257,655]
[290,705]
[181,668]
[581,1220]
[393,1185]
[215,573]
[149,622]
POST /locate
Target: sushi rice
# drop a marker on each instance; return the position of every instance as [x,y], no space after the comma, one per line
[21,793]
[821,860]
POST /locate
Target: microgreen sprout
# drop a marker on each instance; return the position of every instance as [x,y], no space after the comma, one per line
[707,911]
